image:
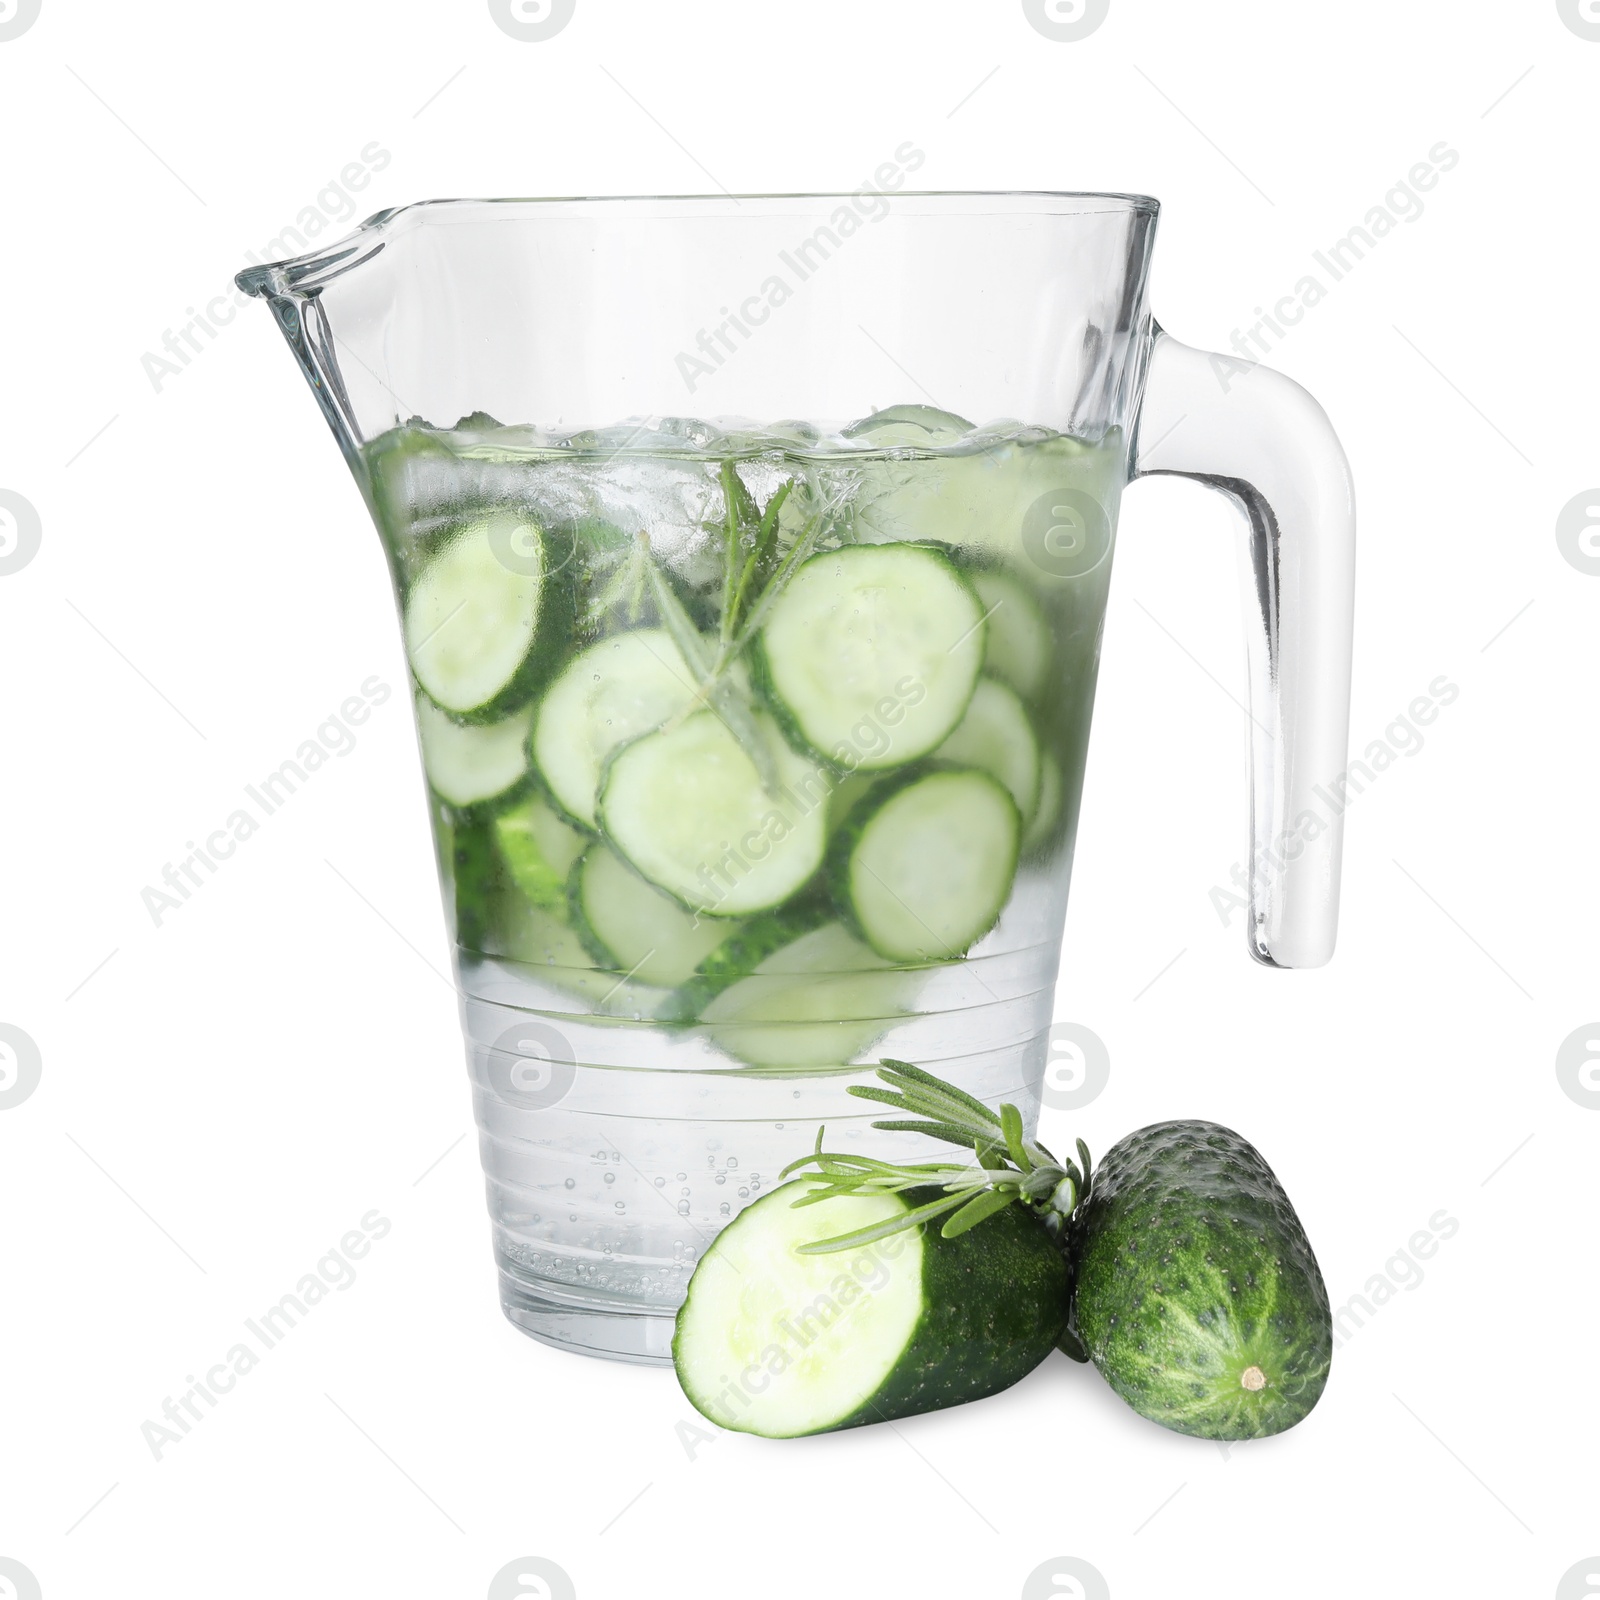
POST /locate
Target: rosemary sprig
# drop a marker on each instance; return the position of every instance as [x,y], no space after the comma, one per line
[1011,1169]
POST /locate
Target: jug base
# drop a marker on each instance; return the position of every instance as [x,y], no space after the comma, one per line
[642,1337]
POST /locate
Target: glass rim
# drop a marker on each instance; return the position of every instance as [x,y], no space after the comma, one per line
[278,278]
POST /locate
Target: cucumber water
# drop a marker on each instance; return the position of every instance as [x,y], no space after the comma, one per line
[752,752]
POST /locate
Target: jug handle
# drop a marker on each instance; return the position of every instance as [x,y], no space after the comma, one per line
[1262,440]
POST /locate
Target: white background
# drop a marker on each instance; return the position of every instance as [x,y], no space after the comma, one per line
[224,1096]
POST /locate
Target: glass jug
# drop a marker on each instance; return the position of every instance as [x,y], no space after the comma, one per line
[751,555]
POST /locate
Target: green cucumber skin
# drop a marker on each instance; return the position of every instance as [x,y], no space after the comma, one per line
[1189,1266]
[994,1303]
[591,941]
[475,881]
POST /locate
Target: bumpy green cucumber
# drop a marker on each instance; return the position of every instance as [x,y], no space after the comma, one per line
[780,1344]
[1196,1292]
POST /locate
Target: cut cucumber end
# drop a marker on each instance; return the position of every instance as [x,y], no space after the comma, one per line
[780,1344]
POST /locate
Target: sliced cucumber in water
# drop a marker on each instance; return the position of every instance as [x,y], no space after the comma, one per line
[785,995]
[1048,811]
[635,928]
[780,1344]
[473,764]
[996,736]
[538,850]
[607,694]
[484,616]
[871,653]
[1018,637]
[687,809]
[925,865]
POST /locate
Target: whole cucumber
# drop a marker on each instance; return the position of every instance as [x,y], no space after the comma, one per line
[1195,1290]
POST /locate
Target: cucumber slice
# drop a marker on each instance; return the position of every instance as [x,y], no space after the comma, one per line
[633,927]
[614,691]
[925,867]
[471,765]
[1018,637]
[1048,811]
[538,850]
[996,737]
[483,616]
[685,808]
[780,1344]
[871,653]
[786,994]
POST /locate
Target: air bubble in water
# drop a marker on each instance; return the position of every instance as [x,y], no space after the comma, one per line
[572,1183]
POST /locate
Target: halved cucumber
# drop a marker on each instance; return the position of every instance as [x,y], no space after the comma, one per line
[871,653]
[996,736]
[635,928]
[925,866]
[1018,637]
[609,693]
[686,808]
[538,850]
[473,764]
[484,615]
[786,995]
[780,1344]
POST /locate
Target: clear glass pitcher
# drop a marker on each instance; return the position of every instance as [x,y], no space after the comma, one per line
[751,555]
